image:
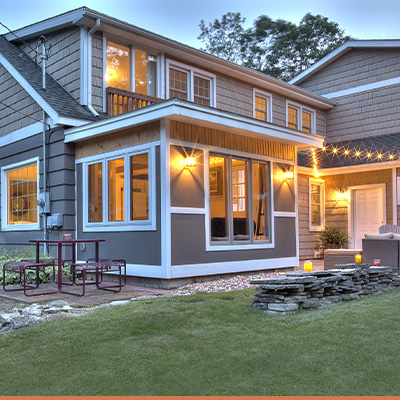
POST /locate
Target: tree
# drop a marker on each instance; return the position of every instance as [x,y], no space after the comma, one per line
[279,48]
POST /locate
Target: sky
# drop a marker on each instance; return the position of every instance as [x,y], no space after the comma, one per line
[179,19]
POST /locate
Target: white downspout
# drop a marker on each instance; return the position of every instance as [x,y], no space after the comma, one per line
[89,69]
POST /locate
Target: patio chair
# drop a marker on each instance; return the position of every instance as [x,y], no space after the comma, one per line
[96,268]
[389,228]
[21,268]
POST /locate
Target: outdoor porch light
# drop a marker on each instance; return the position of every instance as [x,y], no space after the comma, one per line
[342,195]
[190,162]
[288,175]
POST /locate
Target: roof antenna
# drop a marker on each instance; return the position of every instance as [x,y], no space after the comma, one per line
[43,57]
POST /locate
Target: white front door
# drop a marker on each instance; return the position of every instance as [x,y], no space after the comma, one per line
[367,213]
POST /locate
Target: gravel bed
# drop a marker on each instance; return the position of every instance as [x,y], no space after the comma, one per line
[237,282]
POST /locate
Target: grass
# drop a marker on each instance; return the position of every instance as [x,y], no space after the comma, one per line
[208,344]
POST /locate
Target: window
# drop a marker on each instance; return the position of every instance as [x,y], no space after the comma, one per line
[239,200]
[121,191]
[120,67]
[316,204]
[19,196]
[262,106]
[188,83]
[300,118]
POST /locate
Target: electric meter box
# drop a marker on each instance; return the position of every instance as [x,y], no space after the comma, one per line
[55,221]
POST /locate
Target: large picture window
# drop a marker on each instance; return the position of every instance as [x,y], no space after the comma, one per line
[19,196]
[121,191]
[239,200]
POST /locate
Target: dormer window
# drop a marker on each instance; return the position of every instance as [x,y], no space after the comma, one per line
[124,62]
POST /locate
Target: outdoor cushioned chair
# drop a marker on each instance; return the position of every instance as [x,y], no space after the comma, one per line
[389,228]
[385,247]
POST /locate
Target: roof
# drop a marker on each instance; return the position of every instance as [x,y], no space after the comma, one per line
[370,150]
[54,99]
[340,51]
[86,17]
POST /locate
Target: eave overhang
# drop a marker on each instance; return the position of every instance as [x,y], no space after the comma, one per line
[183,111]
[123,30]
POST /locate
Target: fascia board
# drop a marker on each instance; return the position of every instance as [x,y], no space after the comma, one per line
[176,49]
[349,169]
[190,113]
[60,21]
[341,50]
[31,91]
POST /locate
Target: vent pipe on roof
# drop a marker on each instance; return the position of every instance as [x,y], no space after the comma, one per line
[89,70]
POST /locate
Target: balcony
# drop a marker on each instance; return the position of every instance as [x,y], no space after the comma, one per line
[122,101]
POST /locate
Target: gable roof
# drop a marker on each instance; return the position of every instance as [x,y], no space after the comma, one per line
[54,100]
[340,51]
[85,17]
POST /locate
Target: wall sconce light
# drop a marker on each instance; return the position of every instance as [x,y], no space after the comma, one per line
[287,173]
[342,195]
[189,162]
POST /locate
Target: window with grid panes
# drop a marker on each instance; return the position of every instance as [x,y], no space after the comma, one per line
[306,121]
[201,90]
[293,118]
[178,84]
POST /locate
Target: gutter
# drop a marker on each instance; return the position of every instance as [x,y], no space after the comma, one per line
[89,70]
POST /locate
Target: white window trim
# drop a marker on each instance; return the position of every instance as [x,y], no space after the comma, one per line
[300,110]
[266,96]
[126,225]
[4,197]
[236,245]
[321,183]
[191,71]
[132,49]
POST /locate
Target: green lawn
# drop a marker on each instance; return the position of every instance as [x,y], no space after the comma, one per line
[209,344]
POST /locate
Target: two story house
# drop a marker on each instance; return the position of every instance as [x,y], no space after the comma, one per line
[185,163]
[355,185]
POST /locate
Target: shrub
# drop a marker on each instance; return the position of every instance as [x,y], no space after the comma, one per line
[332,235]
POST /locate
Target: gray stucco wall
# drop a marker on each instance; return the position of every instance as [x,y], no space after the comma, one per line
[187,184]
[284,190]
[188,242]
[136,247]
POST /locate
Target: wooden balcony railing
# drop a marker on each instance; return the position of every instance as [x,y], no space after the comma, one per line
[121,101]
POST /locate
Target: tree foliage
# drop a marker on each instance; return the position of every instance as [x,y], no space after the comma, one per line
[279,48]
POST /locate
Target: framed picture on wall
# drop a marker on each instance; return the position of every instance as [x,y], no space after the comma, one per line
[216,181]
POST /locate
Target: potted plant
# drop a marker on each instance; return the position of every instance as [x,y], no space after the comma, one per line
[333,237]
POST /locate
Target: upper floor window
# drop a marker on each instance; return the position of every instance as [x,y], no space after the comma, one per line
[121,191]
[19,193]
[124,62]
[262,106]
[300,118]
[188,83]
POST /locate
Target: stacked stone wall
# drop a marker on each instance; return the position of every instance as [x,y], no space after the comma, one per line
[307,290]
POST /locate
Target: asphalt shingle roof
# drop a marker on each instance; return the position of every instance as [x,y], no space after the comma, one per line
[55,95]
[354,152]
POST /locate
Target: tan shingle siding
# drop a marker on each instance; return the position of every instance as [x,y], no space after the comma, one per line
[357,67]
